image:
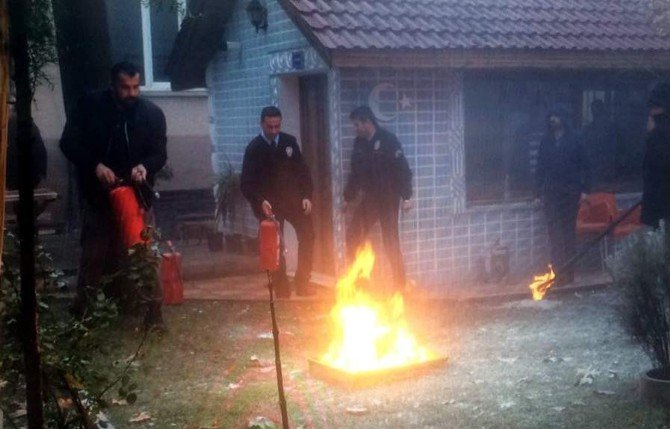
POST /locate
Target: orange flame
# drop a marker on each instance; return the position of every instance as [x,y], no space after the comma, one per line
[369,335]
[541,284]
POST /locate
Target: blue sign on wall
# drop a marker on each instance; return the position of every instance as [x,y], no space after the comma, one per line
[298,60]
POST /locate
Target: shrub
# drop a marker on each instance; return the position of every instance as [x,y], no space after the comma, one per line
[641,270]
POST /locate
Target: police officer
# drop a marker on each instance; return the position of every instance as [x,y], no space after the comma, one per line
[562,179]
[276,181]
[381,175]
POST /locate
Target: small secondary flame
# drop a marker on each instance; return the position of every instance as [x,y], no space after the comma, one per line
[368,334]
[541,284]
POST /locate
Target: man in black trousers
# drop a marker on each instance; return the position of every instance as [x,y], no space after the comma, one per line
[656,165]
[276,181]
[381,175]
[562,179]
[112,135]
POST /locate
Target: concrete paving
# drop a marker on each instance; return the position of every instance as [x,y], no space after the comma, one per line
[235,277]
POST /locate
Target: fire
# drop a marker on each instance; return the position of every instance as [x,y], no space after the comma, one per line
[369,334]
[541,284]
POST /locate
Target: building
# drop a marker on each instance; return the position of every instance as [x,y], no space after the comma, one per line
[144,34]
[464,84]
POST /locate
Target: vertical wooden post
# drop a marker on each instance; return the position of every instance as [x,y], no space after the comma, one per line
[4,113]
[18,24]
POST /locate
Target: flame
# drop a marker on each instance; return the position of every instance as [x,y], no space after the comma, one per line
[369,334]
[541,284]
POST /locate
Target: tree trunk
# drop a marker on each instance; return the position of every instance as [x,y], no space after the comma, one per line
[19,48]
[82,39]
[4,112]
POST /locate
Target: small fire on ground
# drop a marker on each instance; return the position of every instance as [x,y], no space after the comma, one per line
[541,284]
[369,334]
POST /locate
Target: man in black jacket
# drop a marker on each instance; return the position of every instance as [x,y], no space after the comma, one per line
[111,136]
[381,174]
[276,181]
[656,165]
[562,178]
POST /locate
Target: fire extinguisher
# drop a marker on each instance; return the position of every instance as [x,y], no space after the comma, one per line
[128,214]
[269,243]
[173,286]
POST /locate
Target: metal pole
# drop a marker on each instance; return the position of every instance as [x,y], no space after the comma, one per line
[275,335]
[577,256]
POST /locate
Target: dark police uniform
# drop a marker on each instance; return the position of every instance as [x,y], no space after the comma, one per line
[380,172]
[277,172]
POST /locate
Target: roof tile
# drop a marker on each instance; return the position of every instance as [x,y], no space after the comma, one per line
[444,24]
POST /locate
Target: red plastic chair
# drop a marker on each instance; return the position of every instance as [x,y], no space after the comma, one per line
[629,225]
[596,213]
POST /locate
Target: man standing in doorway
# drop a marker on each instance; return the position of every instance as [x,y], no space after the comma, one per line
[562,178]
[276,181]
[381,175]
[111,136]
[656,165]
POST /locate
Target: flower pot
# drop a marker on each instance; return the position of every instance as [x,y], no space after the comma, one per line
[655,387]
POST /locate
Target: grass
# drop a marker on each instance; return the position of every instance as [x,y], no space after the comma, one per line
[511,365]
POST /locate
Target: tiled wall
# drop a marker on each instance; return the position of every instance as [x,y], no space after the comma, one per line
[442,239]
[241,84]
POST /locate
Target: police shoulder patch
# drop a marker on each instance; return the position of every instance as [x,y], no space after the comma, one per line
[289,151]
[377,145]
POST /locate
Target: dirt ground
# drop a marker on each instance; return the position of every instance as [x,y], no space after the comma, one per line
[563,362]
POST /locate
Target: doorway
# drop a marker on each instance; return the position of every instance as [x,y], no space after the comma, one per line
[313,93]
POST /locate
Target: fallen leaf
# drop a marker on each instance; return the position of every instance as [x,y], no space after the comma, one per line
[558,409]
[587,376]
[140,417]
[73,382]
[261,422]
[119,402]
[19,413]
[265,336]
[604,392]
[255,361]
[65,403]
[522,380]
[233,386]
[449,402]
[507,405]
[357,410]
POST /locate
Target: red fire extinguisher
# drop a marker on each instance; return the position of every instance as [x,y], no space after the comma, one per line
[268,240]
[128,213]
[173,286]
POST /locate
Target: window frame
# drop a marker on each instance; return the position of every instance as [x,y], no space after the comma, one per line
[147,49]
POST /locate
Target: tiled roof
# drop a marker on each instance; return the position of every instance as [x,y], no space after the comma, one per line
[473,24]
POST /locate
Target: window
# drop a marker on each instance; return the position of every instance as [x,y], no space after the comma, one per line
[143,32]
[505,120]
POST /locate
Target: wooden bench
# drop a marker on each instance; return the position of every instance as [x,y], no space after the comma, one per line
[195,226]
